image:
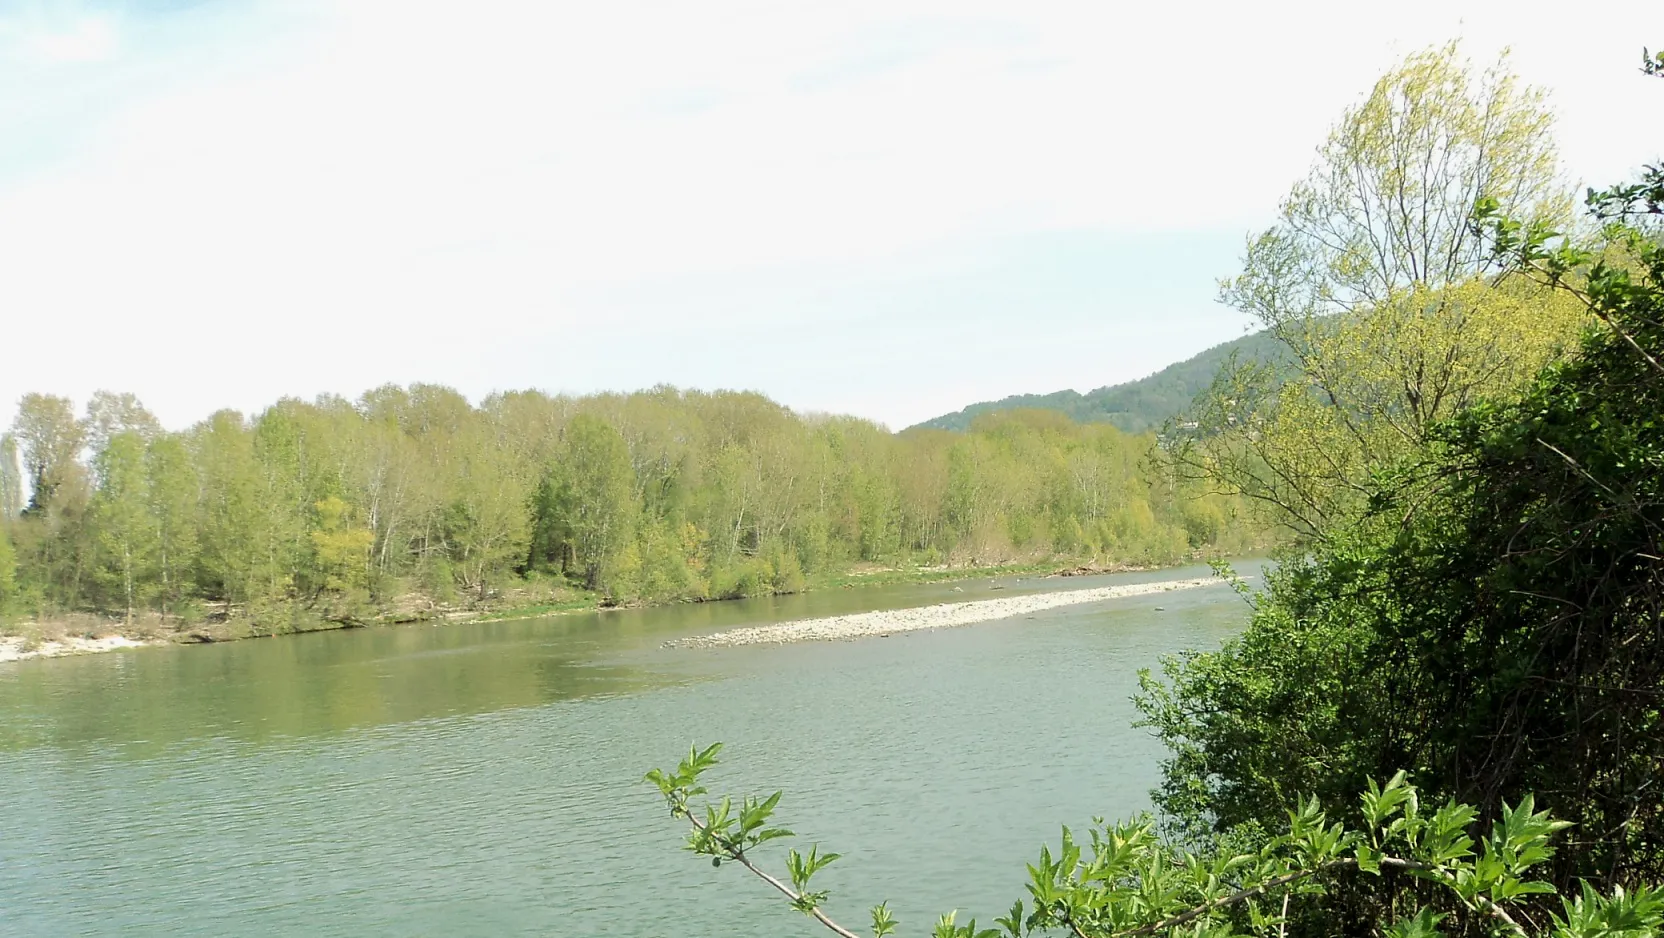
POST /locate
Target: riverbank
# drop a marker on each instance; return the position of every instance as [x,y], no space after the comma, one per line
[19,648]
[85,634]
[849,579]
[885,622]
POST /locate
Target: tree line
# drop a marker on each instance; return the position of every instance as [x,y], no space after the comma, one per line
[338,508]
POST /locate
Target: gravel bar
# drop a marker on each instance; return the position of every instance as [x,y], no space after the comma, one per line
[941,616]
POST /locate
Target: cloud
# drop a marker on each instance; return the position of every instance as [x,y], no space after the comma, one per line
[236,201]
[73,39]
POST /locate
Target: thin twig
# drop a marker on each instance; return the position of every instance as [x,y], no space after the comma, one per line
[1580,470]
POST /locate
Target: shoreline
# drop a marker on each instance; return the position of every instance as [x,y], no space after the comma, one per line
[110,638]
[845,580]
[885,622]
[14,647]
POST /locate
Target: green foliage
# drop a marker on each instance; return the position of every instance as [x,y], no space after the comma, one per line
[1482,594]
[585,505]
[8,573]
[1382,294]
[1138,406]
[801,868]
[484,520]
[324,509]
[51,440]
[172,485]
[946,928]
[241,557]
[341,547]
[1492,621]
[883,923]
[126,536]
[1488,613]
[722,833]
[11,479]
[1405,870]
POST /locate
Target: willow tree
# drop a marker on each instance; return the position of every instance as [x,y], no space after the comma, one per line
[1382,293]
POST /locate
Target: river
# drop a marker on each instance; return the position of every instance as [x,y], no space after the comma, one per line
[484,779]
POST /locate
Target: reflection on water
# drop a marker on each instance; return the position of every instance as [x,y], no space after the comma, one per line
[482,779]
[303,685]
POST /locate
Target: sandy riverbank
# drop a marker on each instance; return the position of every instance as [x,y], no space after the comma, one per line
[940,616]
[17,649]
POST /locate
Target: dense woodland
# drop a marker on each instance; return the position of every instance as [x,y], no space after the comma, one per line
[1443,715]
[335,508]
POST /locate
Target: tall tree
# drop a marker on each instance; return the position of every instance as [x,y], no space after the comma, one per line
[175,492]
[121,522]
[486,525]
[1376,284]
[52,440]
[238,557]
[586,508]
[109,414]
[1493,623]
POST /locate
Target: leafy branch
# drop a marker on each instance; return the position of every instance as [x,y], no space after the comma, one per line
[723,833]
[1124,882]
[1608,290]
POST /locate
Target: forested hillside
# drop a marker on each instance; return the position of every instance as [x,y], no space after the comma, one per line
[337,508]
[1136,406]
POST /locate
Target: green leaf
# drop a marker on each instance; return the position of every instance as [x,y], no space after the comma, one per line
[883,923]
[1424,924]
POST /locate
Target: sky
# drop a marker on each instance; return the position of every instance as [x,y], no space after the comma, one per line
[890,209]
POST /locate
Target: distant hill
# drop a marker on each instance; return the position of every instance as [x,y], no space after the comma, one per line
[1136,406]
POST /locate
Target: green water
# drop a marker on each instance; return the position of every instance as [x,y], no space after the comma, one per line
[483,779]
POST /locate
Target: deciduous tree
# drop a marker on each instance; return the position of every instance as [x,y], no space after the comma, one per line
[1377,283]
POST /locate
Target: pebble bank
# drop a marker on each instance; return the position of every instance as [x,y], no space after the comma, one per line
[941,616]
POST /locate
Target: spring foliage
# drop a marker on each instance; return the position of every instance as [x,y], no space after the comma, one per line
[1380,291]
[1490,617]
[338,508]
[1479,599]
[1416,867]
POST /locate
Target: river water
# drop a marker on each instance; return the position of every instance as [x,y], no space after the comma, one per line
[484,779]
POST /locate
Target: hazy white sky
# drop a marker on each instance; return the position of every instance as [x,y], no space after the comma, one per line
[884,208]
